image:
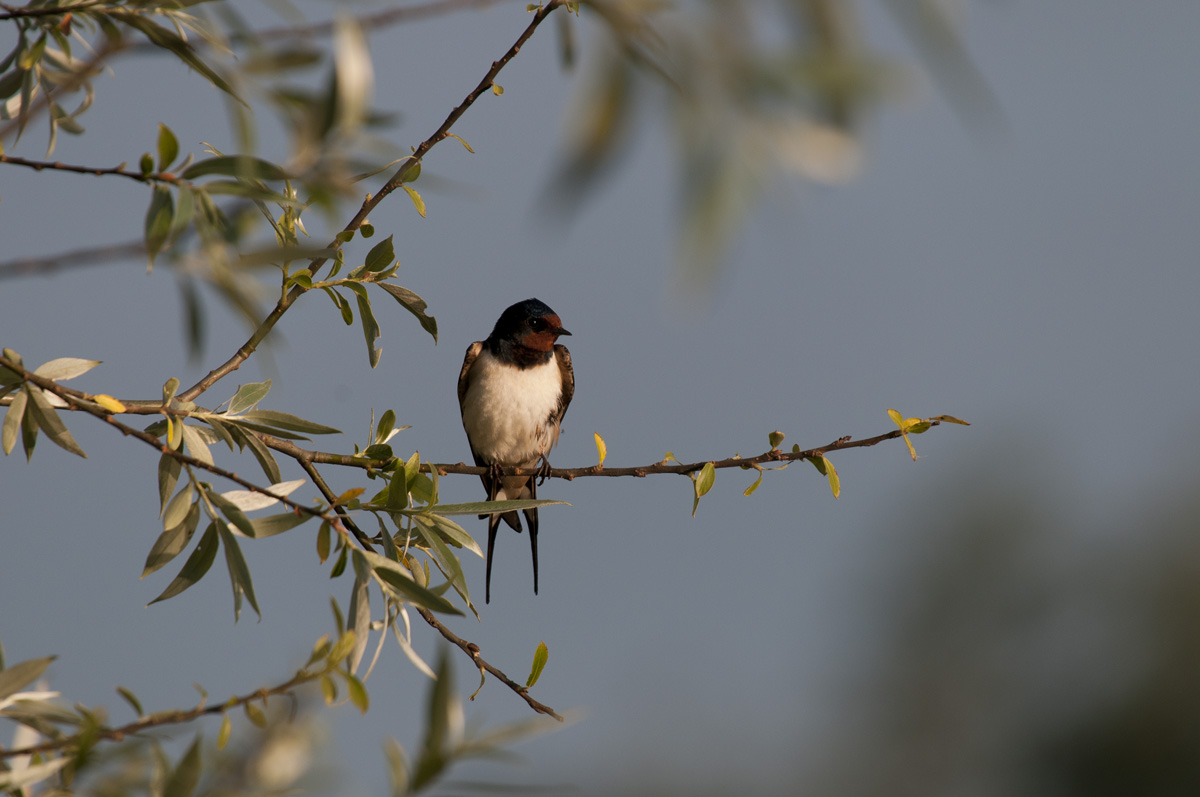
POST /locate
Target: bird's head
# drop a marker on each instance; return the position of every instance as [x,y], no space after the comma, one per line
[530,324]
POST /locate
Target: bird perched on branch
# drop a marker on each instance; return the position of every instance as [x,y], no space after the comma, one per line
[513,391]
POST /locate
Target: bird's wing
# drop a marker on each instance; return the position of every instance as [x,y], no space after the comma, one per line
[464,380]
[563,357]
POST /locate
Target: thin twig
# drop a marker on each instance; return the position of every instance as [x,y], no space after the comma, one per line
[24,266]
[19,12]
[121,171]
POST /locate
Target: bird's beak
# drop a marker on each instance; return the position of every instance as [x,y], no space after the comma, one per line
[561,331]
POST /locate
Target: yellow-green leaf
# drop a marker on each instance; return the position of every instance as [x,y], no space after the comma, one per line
[168,147]
[416,199]
[897,418]
[109,403]
[776,438]
[225,732]
[601,448]
[540,656]
[256,715]
[949,419]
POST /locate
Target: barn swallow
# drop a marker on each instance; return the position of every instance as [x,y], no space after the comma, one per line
[513,391]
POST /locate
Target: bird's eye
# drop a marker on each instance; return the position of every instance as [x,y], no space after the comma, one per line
[537,324]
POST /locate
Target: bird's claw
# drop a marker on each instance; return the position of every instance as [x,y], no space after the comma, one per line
[543,471]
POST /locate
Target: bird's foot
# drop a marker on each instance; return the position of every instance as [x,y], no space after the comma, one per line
[543,472]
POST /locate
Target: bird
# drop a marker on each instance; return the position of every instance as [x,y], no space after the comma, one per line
[513,391]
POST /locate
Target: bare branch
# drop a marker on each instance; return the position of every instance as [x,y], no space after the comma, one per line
[19,12]
[76,258]
[152,177]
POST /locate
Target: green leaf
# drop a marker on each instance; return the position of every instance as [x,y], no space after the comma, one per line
[132,700]
[750,490]
[328,690]
[169,40]
[343,306]
[178,506]
[225,732]
[776,438]
[397,764]
[255,715]
[146,164]
[282,420]
[266,460]
[343,647]
[247,396]
[168,147]
[401,583]
[29,429]
[383,430]
[418,203]
[896,417]
[159,216]
[339,566]
[64,368]
[271,525]
[323,540]
[444,557]
[245,167]
[455,534]
[704,482]
[196,565]
[360,610]
[370,328]
[381,255]
[183,781]
[168,477]
[540,656]
[12,421]
[835,483]
[50,423]
[172,541]
[358,693]
[196,446]
[169,389]
[21,674]
[239,571]
[413,304]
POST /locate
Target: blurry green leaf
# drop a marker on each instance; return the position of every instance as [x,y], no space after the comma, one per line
[255,715]
[359,616]
[172,541]
[239,572]
[183,780]
[397,764]
[146,164]
[443,717]
[282,420]
[245,167]
[22,674]
[64,368]
[12,421]
[196,565]
[342,648]
[358,693]
[168,147]
[328,690]
[413,304]
[225,732]
[132,700]
[382,255]
[704,482]
[247,396]
[497,89]
[370,328]
[540,656]
[776,438]
[169,40]
[169,389]
[50,423]
[158,220]
[16,781]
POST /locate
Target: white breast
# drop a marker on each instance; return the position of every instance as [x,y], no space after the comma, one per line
[506,410]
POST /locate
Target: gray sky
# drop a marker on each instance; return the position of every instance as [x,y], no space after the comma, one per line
[1039,281]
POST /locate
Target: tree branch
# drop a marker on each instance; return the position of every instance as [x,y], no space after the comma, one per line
[75,258]
[163,718]
[19,12]
[152,177]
